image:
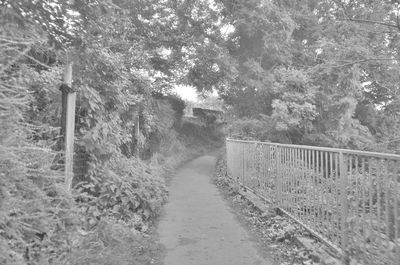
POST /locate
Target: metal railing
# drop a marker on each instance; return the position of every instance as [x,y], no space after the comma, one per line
[347,198]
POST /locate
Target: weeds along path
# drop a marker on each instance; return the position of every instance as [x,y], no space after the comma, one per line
[198,227]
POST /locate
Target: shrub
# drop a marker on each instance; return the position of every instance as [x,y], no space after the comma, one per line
[125,190]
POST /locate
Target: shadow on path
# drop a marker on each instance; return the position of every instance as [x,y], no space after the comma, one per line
[198,227]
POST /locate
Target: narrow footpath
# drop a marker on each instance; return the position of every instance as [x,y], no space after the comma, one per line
[198,227]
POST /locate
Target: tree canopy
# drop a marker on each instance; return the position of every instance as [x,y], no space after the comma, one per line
[313,66]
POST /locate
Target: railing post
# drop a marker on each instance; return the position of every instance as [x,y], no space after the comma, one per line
[343,194]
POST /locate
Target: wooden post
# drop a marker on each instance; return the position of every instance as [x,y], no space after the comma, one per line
[68,123]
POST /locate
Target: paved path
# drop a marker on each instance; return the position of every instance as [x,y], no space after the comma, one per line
[198,228]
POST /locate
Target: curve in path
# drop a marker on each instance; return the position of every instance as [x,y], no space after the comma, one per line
[198,227]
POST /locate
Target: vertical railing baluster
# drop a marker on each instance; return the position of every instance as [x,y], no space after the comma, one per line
[308,184]
[371,194]
[318,191]
[363,214]
[293,192]
[243,164]
[233,159]
[343,193]
[357,194]
[313,212]
[303,183]
[256,166]
[396,181]
[288,171]
[287,179]
[330,195]
[278,175]
[284,177]
[267,167]
[337,199]
[295,182]
[267,170]
[386,181]
[291,180]
[282,169]
[238,162]
[379,200]
[228,156]
[325,193]
[349,191]
[264,173]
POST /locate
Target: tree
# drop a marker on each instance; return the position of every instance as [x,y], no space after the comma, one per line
[309,64]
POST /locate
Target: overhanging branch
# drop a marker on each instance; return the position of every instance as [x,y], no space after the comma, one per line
[370,22]
[365,60]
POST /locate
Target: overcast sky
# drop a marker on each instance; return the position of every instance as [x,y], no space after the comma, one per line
[187,93]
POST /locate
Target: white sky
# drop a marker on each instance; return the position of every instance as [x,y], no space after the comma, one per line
[187,93]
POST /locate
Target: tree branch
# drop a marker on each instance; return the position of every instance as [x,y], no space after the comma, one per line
[6,65]
[348,18]
[371,22]
[365,60]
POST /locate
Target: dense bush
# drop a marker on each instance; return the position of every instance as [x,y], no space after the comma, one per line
[112,243]
[125,190]
[116,198]
[262,129]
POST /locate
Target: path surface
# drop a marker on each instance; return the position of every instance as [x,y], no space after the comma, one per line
[198,227]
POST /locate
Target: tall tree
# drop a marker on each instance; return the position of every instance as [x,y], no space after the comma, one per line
[309,65]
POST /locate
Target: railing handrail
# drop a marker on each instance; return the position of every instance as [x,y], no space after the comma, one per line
[327,149]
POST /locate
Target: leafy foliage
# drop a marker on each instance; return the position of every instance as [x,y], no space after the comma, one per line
[124,190]
[116,70]
[311,65]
